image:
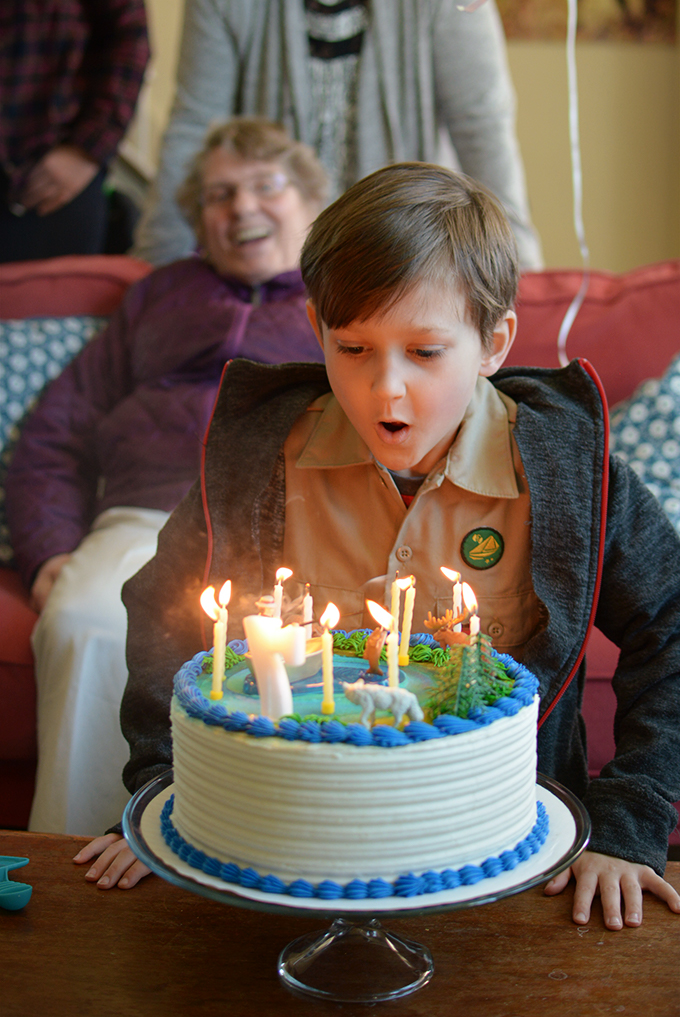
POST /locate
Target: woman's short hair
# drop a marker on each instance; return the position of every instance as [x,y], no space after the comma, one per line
[405,224]
[255,138]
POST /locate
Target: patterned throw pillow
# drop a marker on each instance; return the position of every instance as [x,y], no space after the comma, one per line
[645,433]
[33,351]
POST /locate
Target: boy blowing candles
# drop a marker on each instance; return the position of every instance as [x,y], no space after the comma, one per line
[397,452]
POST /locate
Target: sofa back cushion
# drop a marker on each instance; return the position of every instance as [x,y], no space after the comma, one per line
[628,326]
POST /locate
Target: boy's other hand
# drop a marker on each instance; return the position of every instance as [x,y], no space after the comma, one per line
[116,863]
[613,879]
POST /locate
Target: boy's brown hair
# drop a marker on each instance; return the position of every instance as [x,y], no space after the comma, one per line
[257,139]
[404,224]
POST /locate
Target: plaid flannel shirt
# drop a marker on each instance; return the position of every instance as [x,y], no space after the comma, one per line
[70,73]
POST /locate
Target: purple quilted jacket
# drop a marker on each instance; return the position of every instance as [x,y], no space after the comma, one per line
[124,423]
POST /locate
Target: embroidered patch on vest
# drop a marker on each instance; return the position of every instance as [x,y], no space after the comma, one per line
[482,548]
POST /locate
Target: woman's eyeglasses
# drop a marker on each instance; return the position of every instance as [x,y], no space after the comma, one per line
[266,187]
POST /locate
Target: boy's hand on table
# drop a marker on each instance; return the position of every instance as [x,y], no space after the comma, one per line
[116,863]
[613,879]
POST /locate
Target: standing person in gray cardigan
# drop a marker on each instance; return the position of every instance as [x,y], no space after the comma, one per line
[365,82]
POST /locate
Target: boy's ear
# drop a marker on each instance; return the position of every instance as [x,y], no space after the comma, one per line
[314,321]
[502,339]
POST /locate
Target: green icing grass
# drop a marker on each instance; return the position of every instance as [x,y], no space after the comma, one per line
[231,659]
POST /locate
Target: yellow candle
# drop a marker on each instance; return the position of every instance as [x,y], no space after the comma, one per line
[393,658]
[329,619]
[471,608]
[307,612]
[409,601]
[395,602]
[220,616]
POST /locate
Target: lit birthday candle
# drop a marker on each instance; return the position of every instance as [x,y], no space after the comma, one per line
[395,602]
[271,646]
[457,593]
[219,614]
[471,608]
[281,574]
[307,612]
[409,585]
[387,621]
[329,619]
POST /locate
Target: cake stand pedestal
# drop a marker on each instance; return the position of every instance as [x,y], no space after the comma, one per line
[356,960]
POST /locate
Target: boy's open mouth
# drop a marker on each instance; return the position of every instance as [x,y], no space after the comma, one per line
[393,425]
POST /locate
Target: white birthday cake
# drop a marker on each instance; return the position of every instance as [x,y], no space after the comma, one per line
[330,807]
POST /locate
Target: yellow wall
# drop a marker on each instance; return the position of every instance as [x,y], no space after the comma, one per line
[630,136]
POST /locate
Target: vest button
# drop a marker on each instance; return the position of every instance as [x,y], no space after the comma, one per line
[495,629]
[404,553]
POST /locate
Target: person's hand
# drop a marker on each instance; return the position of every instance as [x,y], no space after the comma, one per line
[613,879]
[116,864]
[45,578]
[57,178]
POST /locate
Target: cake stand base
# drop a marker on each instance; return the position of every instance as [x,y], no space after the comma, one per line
[354,963]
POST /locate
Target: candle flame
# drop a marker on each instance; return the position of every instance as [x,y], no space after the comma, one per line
[282,574]
[331,616]
[469,598]
[224,595]
[405,584]
[209,604]
[383,617]
[450,574]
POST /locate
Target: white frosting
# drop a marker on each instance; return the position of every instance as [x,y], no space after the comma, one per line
[320,811]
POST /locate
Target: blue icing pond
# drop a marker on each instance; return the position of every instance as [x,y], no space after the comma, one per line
[240,689]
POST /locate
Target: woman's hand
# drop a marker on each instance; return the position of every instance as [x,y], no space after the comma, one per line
[613,879]
[116,863]
[45,578]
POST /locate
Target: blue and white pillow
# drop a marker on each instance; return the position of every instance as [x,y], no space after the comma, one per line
[33,351]
[645,433]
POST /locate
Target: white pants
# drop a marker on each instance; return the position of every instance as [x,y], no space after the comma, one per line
[79,648]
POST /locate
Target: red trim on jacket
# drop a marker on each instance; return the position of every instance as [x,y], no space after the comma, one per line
[589,369]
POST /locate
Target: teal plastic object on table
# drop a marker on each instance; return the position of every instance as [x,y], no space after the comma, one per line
[13,895]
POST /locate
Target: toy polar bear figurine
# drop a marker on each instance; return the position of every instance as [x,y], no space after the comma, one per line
[370,698]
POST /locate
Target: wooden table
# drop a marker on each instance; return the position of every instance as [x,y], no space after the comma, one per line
[77,951]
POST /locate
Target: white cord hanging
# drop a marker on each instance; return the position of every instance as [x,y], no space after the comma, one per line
[577,184]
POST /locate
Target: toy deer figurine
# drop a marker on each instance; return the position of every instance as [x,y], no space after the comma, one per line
[374,645]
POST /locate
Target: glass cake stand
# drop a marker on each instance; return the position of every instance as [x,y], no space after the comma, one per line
[355,959]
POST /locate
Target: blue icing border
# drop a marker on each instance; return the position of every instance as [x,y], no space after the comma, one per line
[408,885]
[198,706]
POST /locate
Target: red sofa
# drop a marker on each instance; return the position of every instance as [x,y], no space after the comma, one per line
[628,328]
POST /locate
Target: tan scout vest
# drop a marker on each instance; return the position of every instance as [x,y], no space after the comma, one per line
[347,530]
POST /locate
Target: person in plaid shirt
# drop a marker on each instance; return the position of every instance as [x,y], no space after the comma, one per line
[70,74]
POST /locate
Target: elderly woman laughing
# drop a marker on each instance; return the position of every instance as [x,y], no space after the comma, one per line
[115,444]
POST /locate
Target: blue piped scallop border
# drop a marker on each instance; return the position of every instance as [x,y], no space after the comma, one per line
[198,706]
[404,886]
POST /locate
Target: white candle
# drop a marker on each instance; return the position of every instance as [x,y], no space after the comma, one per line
[409,601]
[220,615]
[456,593]
[270,645]
[471,607]
[329,619]
[307,612]
[281,574]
